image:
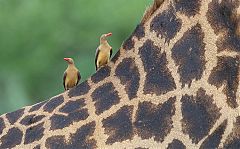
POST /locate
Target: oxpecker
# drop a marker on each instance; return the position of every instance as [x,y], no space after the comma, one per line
[103,52]
[71,75]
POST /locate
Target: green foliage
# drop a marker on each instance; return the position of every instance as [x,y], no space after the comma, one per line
[35,36]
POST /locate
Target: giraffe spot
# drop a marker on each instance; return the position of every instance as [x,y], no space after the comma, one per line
[214,139]
[176,144]
[101,74]
[233,140]
[139,31]
[37,147]
[166,24]
[141,148]
[119,126]
[105,97]
[31,119]
[129,43]
[81,139]
[234,144]
[158,77]
[53,103]
[79,90]
[72,106]
[2,125]
[56,142]
[188,54]
[224,19]
[116,56]
[199,115]
[62,121]
[155,120]
[219,14]
[34,133]
[14,116]
[12,138]
[188,7]
[37,106]
[226,73]
[59,121]
[129,76]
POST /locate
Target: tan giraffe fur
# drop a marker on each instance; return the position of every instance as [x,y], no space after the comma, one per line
[124,106]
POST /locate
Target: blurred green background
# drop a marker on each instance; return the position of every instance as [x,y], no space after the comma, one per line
[35,36]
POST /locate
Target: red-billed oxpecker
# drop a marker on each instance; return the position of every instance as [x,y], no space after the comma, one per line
[103,52]
[71,75]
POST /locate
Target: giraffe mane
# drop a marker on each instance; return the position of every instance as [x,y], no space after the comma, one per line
[151,9]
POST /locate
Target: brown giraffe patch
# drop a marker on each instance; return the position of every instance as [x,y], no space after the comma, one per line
[116,56]
[199,115]
[34,133]
[14,116]
[141,148]
[139,32]
[105,97]
[101,74]
[119,126]
[128,44]
[72,106]
[37,147]
[166,24]
[31,119]
[37,106]
[158,78]
[53,103]
[176,144]
[155,120]
[74,115]
[56,142]
[2,125]
[188,7]
[129,76]
[214,139]
[188,54]
[79,90]
[226,73]
[12,138]
[75,112]
[81,139]
[224,20]
[233,140]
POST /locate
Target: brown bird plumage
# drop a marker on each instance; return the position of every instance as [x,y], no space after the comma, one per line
[71,76]
[103,52]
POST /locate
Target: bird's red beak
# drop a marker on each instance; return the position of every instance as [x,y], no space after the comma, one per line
[66,59]
[108,34]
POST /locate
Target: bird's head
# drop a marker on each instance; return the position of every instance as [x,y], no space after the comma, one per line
[69,60]
[103,38]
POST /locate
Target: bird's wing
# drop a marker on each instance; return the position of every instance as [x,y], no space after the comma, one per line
[79,77]
[110,53]
[64,78]
[96,57]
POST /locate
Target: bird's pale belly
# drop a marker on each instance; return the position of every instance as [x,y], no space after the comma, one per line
[103,59]
[71,81]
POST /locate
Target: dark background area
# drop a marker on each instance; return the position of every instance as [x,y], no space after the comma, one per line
[35,36]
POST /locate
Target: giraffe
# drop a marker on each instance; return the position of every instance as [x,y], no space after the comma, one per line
[174,83]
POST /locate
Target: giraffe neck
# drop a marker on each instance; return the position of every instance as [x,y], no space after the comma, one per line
[173,84]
